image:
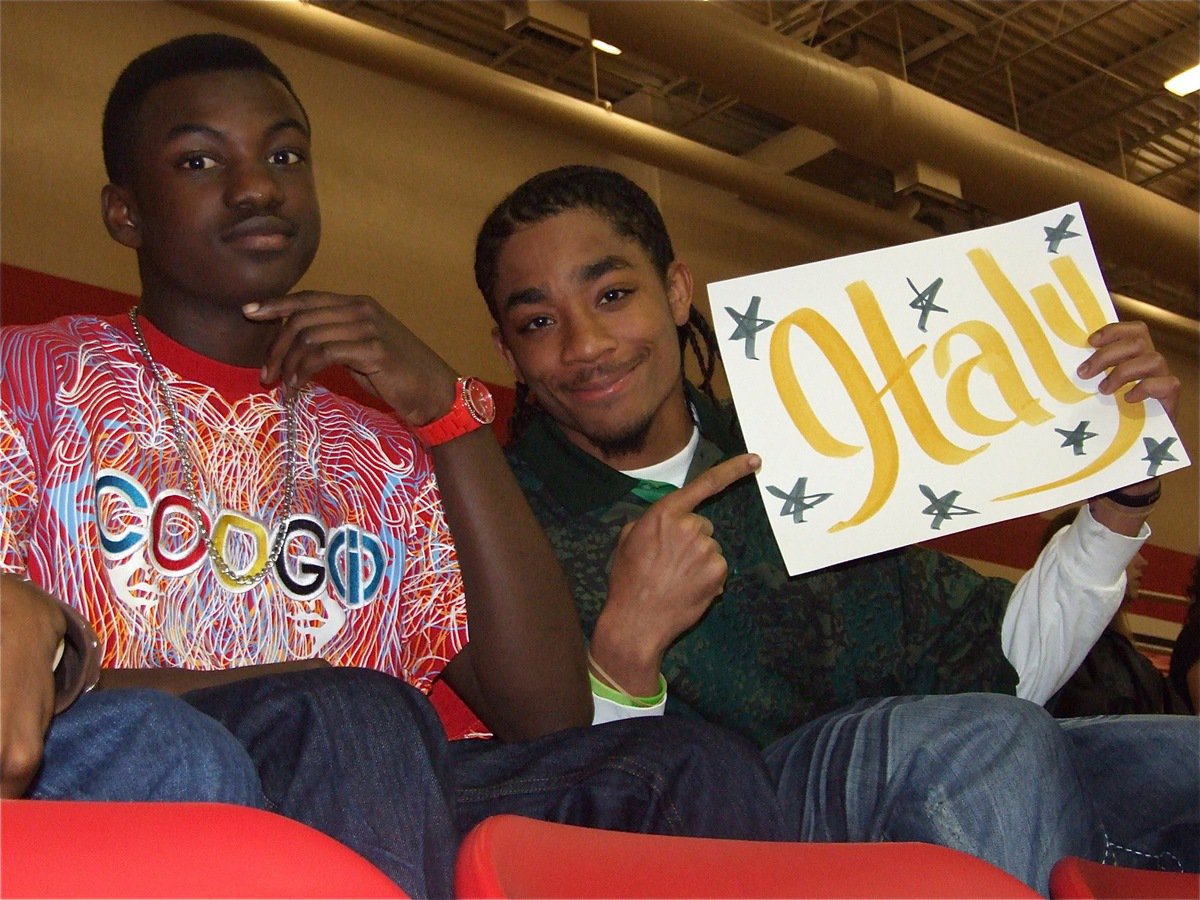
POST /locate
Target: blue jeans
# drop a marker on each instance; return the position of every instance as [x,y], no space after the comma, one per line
[363,757]
[660,775]
[142,745]
[998,778]
[354,753]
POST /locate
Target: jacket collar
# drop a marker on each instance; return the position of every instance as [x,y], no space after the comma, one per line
[580,482]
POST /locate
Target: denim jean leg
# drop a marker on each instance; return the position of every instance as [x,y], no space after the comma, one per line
[1143,773]
[356,754]
[662,775]
[984,773]
[143,745]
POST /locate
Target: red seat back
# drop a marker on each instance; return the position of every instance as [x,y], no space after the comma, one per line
[1073,878]
[54,848]
[511,856]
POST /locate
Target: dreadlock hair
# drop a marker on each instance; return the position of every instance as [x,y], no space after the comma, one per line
[631,213]
[185,55]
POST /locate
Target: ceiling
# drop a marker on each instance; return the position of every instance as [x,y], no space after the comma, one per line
[1083,77]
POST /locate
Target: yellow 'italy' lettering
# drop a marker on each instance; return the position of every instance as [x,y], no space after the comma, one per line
[885,454]
[996,361]
[1029,333]
[1054,311]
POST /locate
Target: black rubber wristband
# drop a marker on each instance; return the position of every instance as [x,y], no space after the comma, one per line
[1136,501]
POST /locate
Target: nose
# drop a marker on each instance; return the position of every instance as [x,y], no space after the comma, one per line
[587,338]
[252,184]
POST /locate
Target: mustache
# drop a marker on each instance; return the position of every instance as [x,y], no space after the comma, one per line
[259,222]
[597,374]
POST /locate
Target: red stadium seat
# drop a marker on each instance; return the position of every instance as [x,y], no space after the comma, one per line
[511,856]
[1073,878]
[51,848]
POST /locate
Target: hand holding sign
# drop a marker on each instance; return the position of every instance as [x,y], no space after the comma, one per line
[666,571]
[1128,350]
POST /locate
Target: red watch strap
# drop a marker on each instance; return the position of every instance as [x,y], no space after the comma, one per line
[464,416]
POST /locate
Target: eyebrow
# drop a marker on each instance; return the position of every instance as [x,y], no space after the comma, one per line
[186,128]
[583,275]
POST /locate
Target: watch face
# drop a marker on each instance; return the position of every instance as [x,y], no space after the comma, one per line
[479,401]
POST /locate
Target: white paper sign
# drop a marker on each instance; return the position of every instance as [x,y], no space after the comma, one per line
[920,390]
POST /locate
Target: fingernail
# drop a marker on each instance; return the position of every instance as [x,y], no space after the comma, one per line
[1082,371]
[262,375]
[251,308]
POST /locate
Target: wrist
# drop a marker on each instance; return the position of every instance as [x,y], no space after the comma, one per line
[1136,496]
[634,668]
[470,407]
[606,687]
[441,399]
[77,665]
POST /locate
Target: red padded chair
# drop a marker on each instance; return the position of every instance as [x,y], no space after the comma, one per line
[1073,878]
[51,848]
[511,856]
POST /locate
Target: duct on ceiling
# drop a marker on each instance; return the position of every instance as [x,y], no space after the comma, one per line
[851,224]
[886,121]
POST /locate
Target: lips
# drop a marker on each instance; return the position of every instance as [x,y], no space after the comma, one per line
[598,385]
[260,233]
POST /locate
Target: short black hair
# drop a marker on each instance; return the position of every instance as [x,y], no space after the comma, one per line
[610,194]
[182,56]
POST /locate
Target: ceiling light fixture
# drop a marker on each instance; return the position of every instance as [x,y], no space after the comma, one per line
[604,47]
[1187,82]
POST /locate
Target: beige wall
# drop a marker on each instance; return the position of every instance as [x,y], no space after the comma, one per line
[405,174]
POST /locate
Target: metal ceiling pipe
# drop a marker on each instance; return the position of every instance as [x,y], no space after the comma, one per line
[1183,332]
[886,121]
[847,224]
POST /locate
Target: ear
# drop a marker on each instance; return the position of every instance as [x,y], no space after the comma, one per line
[119,211]
[505,353]
[679,291]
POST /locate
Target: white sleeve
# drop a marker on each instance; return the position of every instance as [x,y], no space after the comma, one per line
[605,710]
[1061,606]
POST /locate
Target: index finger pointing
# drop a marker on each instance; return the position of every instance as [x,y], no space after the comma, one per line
[712,482]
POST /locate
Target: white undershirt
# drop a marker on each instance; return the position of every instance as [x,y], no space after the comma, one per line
[1057,610]
[670,471]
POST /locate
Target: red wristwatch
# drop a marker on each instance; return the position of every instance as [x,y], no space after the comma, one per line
[473,407]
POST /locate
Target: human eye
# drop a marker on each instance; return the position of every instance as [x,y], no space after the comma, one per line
[614,295]
[285,157]
[535,323]
[196,162]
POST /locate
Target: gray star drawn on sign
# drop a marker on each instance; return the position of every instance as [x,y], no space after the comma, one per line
[1059,233]
[924,301]
[1076,436]
[748,325]
[943,507]
[1157,454]
[797,502]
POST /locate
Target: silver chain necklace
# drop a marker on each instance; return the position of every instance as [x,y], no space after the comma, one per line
[192,477]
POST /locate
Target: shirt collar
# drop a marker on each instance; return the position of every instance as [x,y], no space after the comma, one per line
[231,382]
[580,482]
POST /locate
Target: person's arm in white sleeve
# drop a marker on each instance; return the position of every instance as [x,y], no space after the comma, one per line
[1061,606]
